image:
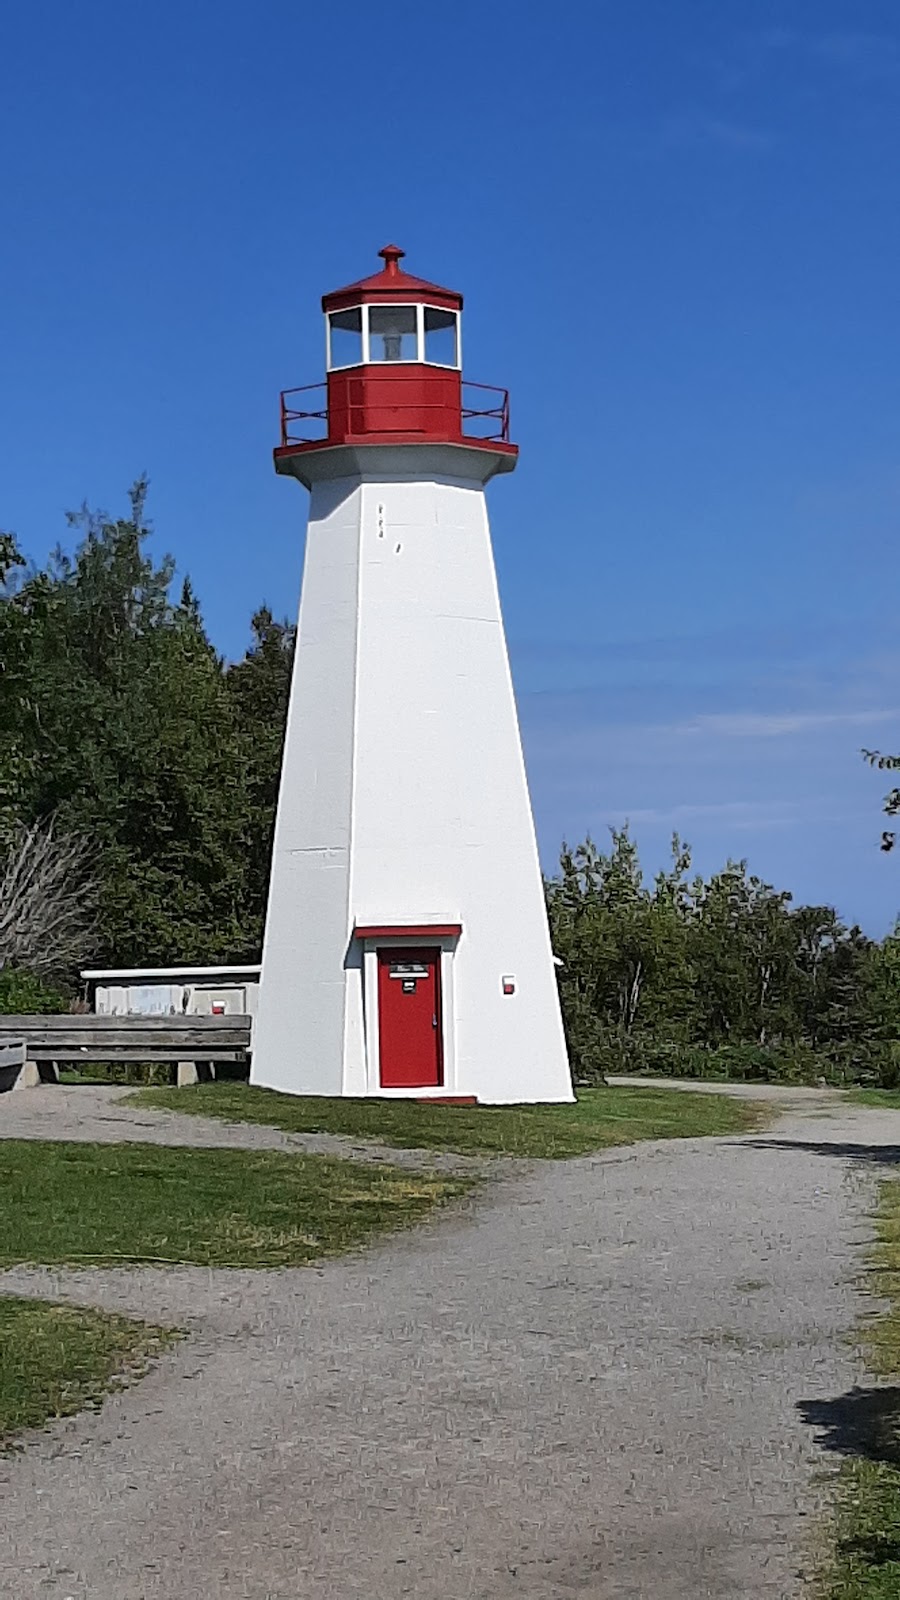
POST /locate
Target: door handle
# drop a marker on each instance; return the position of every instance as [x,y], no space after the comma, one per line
[434,1022]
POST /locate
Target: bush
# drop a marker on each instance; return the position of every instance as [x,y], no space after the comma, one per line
[874,1064]
[127,1072]
[597,1049]
[740,1063]
[22,993]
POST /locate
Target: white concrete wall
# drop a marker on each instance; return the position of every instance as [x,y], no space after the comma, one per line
[238,999]
[404,800]
[174,999]
[299,1034]
[141,999]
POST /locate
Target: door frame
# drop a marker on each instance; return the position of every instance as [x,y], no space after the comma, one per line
[430,957]
[443,937]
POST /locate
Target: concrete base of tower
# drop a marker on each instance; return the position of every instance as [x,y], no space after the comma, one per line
[422,1011]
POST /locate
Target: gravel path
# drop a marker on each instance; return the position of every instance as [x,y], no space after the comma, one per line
[96,1114]
[589,1381]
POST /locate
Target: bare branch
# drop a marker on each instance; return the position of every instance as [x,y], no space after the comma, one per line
[881,762]
[48,900]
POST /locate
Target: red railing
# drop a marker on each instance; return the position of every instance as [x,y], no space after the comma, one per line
[497,413]
[298,423]
[292,417]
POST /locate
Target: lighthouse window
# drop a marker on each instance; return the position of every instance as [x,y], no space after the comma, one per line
[440,337]
[345,338]
[392,333]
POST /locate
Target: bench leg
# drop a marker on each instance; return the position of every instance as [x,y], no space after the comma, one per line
[195,1072]
[29,1076]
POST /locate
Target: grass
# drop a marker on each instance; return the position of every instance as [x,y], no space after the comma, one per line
[889,1099]
[599,1118]
[56,1360]
[867,1531]
[110,1204]
[866,1563]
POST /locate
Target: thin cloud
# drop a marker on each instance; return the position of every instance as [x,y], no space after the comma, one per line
[698,128]
[739,815]
[777,38]
[868,55]
[777,724]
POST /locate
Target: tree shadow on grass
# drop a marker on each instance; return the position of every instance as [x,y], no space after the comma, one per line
[876,1155]
[861,1423]
[864,1425]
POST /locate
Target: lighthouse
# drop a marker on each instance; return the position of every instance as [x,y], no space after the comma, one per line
[406,948]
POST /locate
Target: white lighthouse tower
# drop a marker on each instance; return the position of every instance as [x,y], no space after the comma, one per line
[406,948]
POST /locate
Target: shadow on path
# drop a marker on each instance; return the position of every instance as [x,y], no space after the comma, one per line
[862,1422]
[881,1155]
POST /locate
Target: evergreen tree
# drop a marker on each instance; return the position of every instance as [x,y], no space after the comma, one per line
[124,730]
[258,687]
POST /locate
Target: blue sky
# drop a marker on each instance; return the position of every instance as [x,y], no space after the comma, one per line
[677,233]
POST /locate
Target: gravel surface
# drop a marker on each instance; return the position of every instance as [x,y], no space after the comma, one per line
[96,1114]
[588,1381]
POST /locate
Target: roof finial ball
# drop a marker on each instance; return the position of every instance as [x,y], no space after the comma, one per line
[391,255]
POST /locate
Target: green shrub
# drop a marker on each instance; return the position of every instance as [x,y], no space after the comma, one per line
[597,1049]
[874,1064]
[740,1063]
[22,993]
[126,1072]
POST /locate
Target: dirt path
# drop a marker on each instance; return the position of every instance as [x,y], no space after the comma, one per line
[99,1113]
[590,1381]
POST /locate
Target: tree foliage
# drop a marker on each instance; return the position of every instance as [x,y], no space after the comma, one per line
[120,720]
[719,976]
[891,803]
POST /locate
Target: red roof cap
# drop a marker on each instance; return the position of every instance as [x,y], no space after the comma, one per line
[392,285]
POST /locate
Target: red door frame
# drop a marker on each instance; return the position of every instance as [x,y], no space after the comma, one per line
[430,955]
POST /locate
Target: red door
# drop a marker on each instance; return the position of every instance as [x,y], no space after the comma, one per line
[409,1019]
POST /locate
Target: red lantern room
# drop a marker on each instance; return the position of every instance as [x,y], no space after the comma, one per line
[394,375]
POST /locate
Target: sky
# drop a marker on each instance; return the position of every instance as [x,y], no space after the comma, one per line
[676,230]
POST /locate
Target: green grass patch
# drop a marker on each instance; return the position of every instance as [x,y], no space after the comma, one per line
[56,1360]
[105,1203]
[599,1118]
[866,1564]
[867,1533]
[887,1099]
[881,1334]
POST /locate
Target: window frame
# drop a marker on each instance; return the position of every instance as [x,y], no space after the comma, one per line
[447,366]
[344,366]
[385,305]
[421,306]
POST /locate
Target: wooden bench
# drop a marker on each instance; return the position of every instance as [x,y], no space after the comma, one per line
[12,1064]
[195,1045]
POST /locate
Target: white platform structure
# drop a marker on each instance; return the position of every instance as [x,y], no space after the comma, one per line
[173,991]
[406,947]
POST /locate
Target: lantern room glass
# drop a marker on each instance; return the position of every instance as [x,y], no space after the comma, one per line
[393,333]
[383,334]
[441,329]
[345,344]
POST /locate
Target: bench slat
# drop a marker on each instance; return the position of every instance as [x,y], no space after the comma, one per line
[132,1052]
[25,1025]
[87,1038]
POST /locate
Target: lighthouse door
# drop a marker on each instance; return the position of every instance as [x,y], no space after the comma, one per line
[409,1019]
